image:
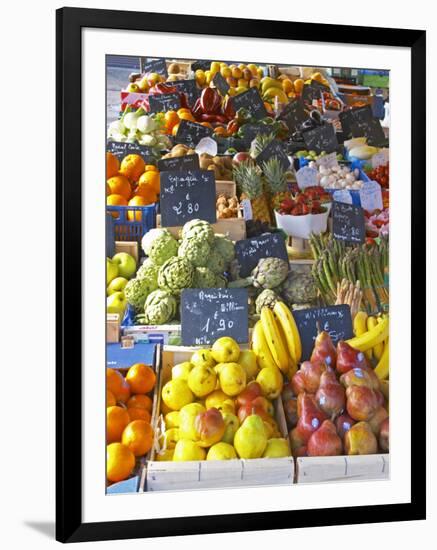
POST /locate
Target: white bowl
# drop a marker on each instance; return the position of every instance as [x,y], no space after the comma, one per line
[302,226]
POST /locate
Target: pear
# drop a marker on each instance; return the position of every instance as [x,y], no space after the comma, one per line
[187,416]
[221,451]
[225,350]
[250,439]
[172,420]
[186,450]
[202,357]
[271,381]
[276,447]
[176,394]
[202,380]
[231,426]
[247,360]
[232,379]
[182,370]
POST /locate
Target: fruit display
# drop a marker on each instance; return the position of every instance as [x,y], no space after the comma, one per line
[381,174]
[136,126]
[309,201]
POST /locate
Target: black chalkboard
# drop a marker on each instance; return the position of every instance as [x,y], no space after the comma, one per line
[252,101]
[311,92]
[189,88]
[210,313]
[221,84]
[190,133]
[164,102]
[186,196]
[335,320]
[249,251]
[251,130]
[187,162]
[346,120]
[122,149]
[274,149]
[201,64]
[293,114]
[348,223]
[371,129]
[156,66]
[321,138]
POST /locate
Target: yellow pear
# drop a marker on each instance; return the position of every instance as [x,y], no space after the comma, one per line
[247,360]
[215,399]
[176,394]
[202,380]
[231,426]
[225,350]
[169,438]
[221,451]
[186,420]
[172,420]
[271,382]
[202,357]
[165,456]
[182,370]
[186,450]
[232,379]
[250,439]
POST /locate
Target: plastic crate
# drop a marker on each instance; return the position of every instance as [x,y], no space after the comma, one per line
[124,229]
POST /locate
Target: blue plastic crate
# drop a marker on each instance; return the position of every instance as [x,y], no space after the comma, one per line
[124,229]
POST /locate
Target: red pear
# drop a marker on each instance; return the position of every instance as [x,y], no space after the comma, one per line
[297,441]
[360,440]
[380,398]
[298,382]
[310,417]
[209,427]
[312,372]
[360,376]
[301,451]
[377,419]
[384,435]
[325,441]
[330,396]
[288,392]
[361,402]
[344,423]
[290,409]
[324,350]
[349,358]
[250,408]
[265,404]
[250,392]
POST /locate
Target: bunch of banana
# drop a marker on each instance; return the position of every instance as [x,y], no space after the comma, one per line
[271,88]
[371,337]
[276,340]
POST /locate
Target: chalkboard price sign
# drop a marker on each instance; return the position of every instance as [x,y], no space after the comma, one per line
[293,114]
[189,88]
[371,129]
[350,117]
[321,138]
[164,102]
[190,133]
[335,320]
[221,84]
[348,223]
[187,162]
[251,130]
[210,313]
[201,64]
[122,149]
[187,195]
[252,101]
[250,251]
[274,149]
[311,92]
[158,66]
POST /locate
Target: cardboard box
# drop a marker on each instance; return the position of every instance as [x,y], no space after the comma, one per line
[112,328]
[154,334]
[130,247]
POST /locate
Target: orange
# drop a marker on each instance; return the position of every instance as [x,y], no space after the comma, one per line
[124,394]
[237,73]
[108,190]
[136,215]
[117,419]
[151,179]
[115,200]
[120,461]
[268,107]
[146,193]
[174,130]
[150,168]
[120,185]
[171,118]
[132,166]
[287,85]
[141,378]
[219,130]
[138,437]
[140,401]
[207,124]
[183,110]
[110,399]
[112,165]
[187,116]
[136,413]
[117,385]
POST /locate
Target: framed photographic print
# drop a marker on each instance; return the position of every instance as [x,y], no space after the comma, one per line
[240,256]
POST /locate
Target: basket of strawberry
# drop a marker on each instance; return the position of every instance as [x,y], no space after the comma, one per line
[304,213]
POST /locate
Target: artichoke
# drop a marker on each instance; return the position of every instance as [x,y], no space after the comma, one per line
[176,274]
[267,298]
[220,281]
[270,272]
[148,270]
[216,262]
[298,288]
[225,247]
[204,278]
[199,230]
[137,290]
[195,251]
[159,308]
[150,236]
[163,247]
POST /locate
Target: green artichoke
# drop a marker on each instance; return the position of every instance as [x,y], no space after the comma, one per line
[220,281]
[150,236]
[225,247]
[298,288]
[204,278]
[216,262]
[148,270]
[176,274]
[137,290]
[195,251]
[269,272]
[267,298]
[159,308]
[199,230]
[163,247]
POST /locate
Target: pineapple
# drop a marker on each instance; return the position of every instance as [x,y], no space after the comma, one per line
[276,182]
[250,183]
[260,143]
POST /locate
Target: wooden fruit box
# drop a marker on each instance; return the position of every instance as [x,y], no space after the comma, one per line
[234,228]
[322,469]
[173,476]
[225,187]
[112,328]
[130,247]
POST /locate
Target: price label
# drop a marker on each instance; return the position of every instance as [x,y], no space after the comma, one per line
[189,88]
[342,195]
[249,251]
[159,103]
[348,223]
[210,313]
[187,195]
[122,149]
[328,161]
[293,115]
[306,177]
[321,138]
[158,66]
[371,196]
[190,133]
[275,149]
[335,320]
[246,205]
[221,84]
[187,162]
[252,101]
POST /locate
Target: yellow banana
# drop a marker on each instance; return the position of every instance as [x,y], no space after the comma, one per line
[292,365]
[286,321]
[382,369]
[360,323]
[378,350]
[260,347]
[274,341]
[370,338]
[371,323]
[385,388]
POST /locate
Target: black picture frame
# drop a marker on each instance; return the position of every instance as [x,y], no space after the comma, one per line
[69,24]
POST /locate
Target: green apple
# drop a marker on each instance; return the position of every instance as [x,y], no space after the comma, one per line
[116,285]
[116,303]
[127,265]
[111,270]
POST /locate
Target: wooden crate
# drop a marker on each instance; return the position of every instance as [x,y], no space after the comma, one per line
[130,247]
[225,187]
[172,476]
[112,328]
[322,469]
[234,228]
